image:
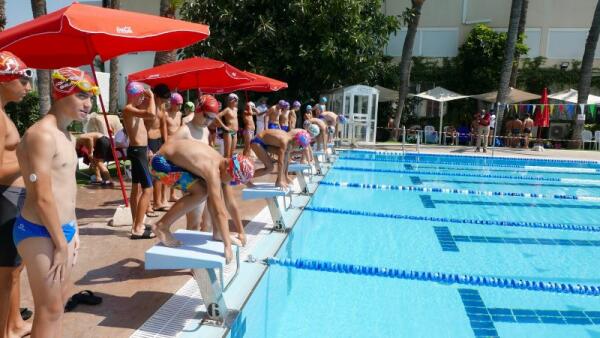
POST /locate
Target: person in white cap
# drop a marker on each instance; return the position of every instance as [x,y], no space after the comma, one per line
[261,114]
[228,122]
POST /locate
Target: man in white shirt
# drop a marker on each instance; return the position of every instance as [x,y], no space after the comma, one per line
[260,117]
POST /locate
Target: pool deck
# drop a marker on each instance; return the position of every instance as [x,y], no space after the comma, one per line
[111,265]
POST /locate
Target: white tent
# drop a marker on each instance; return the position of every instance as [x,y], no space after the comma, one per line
[386,94]
[440,95]
[570,96]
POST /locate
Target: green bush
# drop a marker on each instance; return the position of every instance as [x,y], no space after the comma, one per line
[25,113]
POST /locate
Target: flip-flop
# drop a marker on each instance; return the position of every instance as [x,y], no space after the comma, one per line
[26,313]
[86,297]
[152,213]
[147,234]
[165,208]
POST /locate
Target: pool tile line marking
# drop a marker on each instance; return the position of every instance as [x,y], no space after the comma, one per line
[511,183]
[427,202]
[482,318]
[436,277]
[448,241]
[417,181]
[516,204]
[521,224]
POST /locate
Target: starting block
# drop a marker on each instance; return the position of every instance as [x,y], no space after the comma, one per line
[269,192]
[204,256]
[331,147]
[316,154]
[298,169]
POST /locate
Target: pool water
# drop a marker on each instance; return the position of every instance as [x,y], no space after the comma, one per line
[290,302]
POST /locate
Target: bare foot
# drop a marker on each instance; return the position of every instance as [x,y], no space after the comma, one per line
[234,240]
[250,184]
[228,254]
[242,237]
[166,237]
[281,184]
[19,330]
[289,180]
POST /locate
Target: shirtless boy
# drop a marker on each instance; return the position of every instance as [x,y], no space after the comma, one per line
[249,128]
[227,121]
[173,120]
[157,136]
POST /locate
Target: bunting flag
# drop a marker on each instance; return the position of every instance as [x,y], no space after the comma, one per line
[516,108]
[570,111]
[592,110]
[581,108]
[561,108]
[533,109]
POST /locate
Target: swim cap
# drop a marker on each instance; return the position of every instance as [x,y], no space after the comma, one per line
[134,89]
[176,98]
[314,130]
[330,130]
[190,105]
[323,99]
[208,104]
[68,81]
[232,97]
[12,68]
[286,105]
[281,103]
[302,139]
[308,108]
[241,169]
[296,104]
[318,107]
[250,105]
[342,119]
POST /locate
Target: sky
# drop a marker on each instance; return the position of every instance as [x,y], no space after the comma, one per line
[19,11]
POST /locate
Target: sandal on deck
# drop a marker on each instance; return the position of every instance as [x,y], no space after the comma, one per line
[86,297]
[147,234]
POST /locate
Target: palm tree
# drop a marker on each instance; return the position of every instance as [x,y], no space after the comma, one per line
[520,34]
[38,8]
[168,8]
[411,17]
[509,55]
[113,87]
[585,77]
[2,15]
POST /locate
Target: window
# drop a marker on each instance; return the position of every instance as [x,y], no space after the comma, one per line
[533,38]
[429,42]
[567,43]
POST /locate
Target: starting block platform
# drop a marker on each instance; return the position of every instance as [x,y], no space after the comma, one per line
[299,169]
[272,194]
[204,256]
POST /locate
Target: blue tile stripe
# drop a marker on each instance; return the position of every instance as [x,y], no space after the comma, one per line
[438,277]
[447,165]
[535,184]
[439,173]
[482,317]
[417,180]
[448,240]
[553,226]
[427,202]
[521,204]
[486,159]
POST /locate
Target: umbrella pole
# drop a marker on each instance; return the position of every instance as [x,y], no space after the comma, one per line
[112,142]
[441,123]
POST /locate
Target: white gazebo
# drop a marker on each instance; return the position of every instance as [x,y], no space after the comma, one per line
[440,95]
[570,96]
[359,104]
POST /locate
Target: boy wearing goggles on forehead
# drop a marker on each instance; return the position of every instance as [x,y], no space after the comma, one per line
[45,232]
[205,114]
[140,106]
[201,172]
[14,85]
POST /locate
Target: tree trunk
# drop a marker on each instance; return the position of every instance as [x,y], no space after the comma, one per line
[113,88]
[521,31]
[38,8]
[405,62]
[509,55]
[167,10]
[2,15]
[585,78]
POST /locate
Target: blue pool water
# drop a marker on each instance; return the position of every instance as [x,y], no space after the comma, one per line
[290,302]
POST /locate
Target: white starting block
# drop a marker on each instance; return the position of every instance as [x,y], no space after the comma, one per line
[269,192]
[298,169]
[316,154]
[332,147]
[204,256]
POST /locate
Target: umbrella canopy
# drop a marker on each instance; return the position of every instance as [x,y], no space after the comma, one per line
[386,94]
[261,83]
[570,96]
[208,75]
[76,34]
[514,96]
[440,94]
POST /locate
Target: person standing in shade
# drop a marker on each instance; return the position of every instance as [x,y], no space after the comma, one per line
[173,121]
[492,128]
[527,128]
[157,135]
[15,83]
[261,114]
[483,130]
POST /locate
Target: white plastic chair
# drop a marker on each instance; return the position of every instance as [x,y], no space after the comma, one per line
[586,137]
[597,139]
[430,134]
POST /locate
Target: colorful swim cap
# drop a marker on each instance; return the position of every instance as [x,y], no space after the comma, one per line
[308,108]
[190,106]
[250,105]
[134,89]
[176,98]
[12,68]
[314,130]
[68,81]
[342,119]
[208,104]
[318,107]
[286,105]
[330,129]
[281,103]
[232,97]
[323,99]
[296,104]
[241,169]
[302,139]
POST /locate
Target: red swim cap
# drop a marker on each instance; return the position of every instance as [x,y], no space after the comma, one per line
[68,81]
[208,104]
[12,68]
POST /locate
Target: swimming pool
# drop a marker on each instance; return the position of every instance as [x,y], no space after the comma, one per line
[509,219]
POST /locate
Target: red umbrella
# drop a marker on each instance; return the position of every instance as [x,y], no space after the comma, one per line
[263,84]
[542,119]
[208,75]
[76,34]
